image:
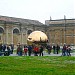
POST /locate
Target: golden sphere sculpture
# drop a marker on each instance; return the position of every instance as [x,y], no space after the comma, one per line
[37,37]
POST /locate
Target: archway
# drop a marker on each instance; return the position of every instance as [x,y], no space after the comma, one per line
[16,33]
[1,35]
[29,31]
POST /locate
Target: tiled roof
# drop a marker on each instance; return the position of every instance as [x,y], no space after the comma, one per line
[20,20]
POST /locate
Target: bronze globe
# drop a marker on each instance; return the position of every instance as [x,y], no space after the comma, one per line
[37,36]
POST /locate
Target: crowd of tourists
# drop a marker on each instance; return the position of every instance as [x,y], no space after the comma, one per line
[30,49]
[39,50]
[6,49]
[36,50]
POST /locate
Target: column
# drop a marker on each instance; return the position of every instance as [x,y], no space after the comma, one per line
[6,34]
[48,34]
[64,30]
[72,36]
[21,35]
[61,36]
[12,37]
[26,35]
[53,36]
[22,38]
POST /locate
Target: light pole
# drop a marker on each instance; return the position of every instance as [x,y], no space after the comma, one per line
[64,29]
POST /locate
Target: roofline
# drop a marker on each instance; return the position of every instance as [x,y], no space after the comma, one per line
[17,18]
[22,19]
[60,19]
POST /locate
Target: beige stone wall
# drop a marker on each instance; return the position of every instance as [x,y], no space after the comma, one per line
[56,34]
[61,31]
[8,37]
[60,36]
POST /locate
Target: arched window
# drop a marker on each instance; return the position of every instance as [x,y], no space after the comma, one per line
[16,31]
[29,31]
[1,30]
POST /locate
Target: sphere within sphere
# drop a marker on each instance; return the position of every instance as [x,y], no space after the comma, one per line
[37,36]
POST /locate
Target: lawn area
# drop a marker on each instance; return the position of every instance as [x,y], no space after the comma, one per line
[36,65]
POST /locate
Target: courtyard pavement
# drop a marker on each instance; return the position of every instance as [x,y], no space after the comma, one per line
[45,54]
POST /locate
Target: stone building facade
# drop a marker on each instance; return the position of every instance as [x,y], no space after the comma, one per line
[61,31]
[16,30]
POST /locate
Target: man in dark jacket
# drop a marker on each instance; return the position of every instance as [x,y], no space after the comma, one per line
[49,48]
[57,48]
[29,50]
[41,50]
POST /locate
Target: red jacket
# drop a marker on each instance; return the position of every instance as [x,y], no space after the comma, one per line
[25,49]
[36,49]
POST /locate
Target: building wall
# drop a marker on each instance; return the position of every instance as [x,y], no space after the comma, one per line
[58,32]
[9,37]
[61,31]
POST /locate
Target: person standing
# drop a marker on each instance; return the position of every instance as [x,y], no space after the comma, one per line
[41,50]
[64,50]
[68,50]
[49,48]
[19,50]
[29,50]
[54,49]
[1,49]
[57,48]
[8,49]
[12,48]
[25,50]
[36,50]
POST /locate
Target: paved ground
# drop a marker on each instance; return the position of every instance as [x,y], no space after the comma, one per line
[46,54]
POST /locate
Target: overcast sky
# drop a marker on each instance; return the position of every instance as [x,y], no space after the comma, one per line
[38,9]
